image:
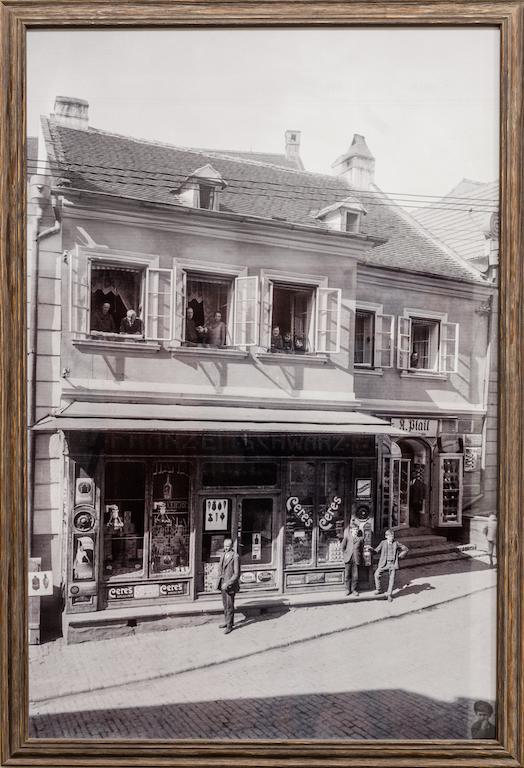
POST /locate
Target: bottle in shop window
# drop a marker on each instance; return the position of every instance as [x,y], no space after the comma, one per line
[168,488]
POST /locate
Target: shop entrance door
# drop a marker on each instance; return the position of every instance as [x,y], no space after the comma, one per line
[249,520]
[395,492]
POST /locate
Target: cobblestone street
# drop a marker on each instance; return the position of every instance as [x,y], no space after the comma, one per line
[410,669]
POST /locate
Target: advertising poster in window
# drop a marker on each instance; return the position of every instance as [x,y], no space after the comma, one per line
[263,315]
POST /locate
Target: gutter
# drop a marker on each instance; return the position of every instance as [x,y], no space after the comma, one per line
[34,265]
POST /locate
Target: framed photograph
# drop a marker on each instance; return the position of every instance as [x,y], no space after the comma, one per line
[261,319]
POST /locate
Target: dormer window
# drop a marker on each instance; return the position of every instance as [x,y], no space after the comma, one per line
[344,216]
[201,189]
[206,197]
[352,221]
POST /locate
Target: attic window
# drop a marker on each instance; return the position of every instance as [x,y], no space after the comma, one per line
[206,197]
[352,221]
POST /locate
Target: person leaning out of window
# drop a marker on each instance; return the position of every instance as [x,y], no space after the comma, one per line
[195,334]
[216,331]
[102,320]
[131,324]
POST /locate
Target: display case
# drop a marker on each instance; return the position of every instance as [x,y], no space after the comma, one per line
[450,489]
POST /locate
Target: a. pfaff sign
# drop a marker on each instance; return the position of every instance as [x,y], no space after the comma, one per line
[416,426]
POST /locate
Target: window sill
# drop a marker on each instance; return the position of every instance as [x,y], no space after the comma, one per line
[128,346]
[424,375]
[207,351]
[315,358]
[368,371]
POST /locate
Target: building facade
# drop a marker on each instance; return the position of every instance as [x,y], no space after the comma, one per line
[226,345]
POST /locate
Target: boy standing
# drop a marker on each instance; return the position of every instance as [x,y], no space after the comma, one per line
[390,552]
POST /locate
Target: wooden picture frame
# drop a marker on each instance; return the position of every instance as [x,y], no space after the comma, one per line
[16,17]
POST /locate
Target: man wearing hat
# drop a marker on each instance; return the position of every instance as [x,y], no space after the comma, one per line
[482,728]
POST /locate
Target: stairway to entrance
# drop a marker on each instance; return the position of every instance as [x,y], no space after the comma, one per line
[426,547]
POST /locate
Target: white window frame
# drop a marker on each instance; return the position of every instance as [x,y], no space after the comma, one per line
[213,270]
[268,278]
[105,257]
[404,330]
[380,323]
[147,292]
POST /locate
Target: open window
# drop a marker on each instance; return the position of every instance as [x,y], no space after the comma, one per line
[427,344]
[373,339]
[208,309]
[302,319]
[115,300]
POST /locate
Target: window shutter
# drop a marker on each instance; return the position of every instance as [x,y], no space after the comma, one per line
[384,342]
[180,281]
[246,309]
[79,284]
[403,343]
[449,335]
[328,319]
[159,304]
[266,313]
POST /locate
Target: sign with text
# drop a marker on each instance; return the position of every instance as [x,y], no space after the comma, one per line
[416,426]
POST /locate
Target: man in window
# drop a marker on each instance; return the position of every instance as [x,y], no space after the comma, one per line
[102,320]
[131,324]
[216,331]
[194,333]
[277,343]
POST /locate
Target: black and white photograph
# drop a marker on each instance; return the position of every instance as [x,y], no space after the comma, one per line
[262,388]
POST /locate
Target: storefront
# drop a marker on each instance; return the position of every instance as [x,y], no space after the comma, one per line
[148,508]
[430,471]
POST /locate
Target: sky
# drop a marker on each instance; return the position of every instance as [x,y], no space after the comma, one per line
[427,100]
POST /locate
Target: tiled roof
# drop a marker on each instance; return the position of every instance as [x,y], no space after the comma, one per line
[261,157]
[98,161]
[461,217]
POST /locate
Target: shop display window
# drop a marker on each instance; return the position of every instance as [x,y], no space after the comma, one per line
[451,469]
[124,519]
[169,528]
[315,512]
[256,540]
[331,513]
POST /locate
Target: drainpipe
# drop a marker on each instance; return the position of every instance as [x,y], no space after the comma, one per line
[39,200]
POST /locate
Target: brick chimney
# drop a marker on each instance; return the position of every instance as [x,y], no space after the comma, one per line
[293,147]
[72,112]
[357,165]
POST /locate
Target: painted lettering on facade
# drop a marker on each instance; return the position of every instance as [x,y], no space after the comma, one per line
[293,505]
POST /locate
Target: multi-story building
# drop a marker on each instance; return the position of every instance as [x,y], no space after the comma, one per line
[223,344]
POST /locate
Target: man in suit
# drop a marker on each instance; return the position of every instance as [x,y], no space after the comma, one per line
[390,552]
[351,553]
[228,583]
[131,323]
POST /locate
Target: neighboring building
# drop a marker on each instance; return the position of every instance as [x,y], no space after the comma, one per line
[303,353]
[467,220]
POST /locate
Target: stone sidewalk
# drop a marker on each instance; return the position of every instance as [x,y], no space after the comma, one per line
[60,675]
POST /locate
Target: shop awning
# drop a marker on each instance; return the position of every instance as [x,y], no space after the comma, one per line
[136,417]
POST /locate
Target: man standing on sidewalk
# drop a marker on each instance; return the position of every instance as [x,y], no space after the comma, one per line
[390,552]
[490,532]
[351,553]
[228,583]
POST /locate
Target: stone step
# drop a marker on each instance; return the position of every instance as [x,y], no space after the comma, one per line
[430,559]
[407,533]
[413,542]
[436,549]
